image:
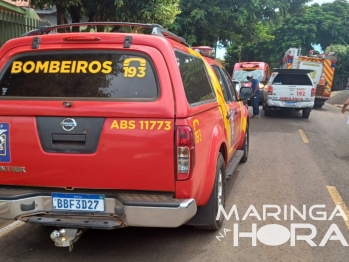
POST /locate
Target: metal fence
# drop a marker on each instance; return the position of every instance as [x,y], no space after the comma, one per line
[14,25]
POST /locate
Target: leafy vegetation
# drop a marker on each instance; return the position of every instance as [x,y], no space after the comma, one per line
[342,68]
[313,25]
[259,30]
[145,11]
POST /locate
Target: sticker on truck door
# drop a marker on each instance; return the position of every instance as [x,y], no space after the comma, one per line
[232,124]
[4,143]
[197,131]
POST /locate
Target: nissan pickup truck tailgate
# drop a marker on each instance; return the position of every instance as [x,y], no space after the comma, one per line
[93,118]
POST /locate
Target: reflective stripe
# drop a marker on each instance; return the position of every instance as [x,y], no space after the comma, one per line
[224,108]
[310,59]
[329,73]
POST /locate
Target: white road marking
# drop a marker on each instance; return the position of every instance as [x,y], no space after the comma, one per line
[10,227]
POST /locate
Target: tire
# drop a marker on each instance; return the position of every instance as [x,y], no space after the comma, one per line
[267,110]
[217,197]
[306,113]
[246,145]
[318,106]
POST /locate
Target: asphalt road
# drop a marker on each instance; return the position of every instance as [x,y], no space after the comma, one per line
[282,170]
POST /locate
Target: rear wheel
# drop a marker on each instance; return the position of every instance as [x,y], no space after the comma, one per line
[267,110]
[245,147]
[306,112]
[217,197]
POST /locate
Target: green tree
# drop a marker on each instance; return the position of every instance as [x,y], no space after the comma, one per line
[147,11]
[324,24]
[258,48]
[73,7]
[334,25]
[203,22]
[340,80]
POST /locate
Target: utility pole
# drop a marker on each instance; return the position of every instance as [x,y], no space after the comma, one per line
[215,50]
[240,48]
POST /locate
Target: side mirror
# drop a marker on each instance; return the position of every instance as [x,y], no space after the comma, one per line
[245,93]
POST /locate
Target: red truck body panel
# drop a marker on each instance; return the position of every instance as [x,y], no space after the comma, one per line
[136,148]
[131,141]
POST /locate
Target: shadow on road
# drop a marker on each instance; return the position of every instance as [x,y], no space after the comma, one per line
[286,114]
[127,244]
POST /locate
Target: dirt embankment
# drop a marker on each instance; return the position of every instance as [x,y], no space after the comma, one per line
[338,97]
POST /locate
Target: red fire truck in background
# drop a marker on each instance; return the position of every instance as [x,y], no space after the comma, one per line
[259,70]
[323,67]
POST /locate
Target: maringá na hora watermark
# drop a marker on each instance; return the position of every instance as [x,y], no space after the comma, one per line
[275,234]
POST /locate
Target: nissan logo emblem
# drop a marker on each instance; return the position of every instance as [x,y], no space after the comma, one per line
[68,124]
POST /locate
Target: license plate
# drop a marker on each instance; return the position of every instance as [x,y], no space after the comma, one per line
[78,202]
[290,103]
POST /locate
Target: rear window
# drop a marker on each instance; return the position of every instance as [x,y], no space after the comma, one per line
[292,79]
[195,78]
[80,75]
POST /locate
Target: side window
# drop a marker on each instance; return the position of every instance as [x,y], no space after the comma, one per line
[230,85]
[196,81]
[227,96]
[272,77]
[237,87]
[277,80]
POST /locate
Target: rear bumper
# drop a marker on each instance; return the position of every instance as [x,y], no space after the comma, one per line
[322,97]
[320,100]
[296,105]
[141,210]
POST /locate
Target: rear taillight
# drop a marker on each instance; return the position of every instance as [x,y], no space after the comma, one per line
[270,90]
[313,91]
[185,152]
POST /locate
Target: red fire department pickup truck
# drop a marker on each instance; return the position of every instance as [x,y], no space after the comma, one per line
[107,130]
